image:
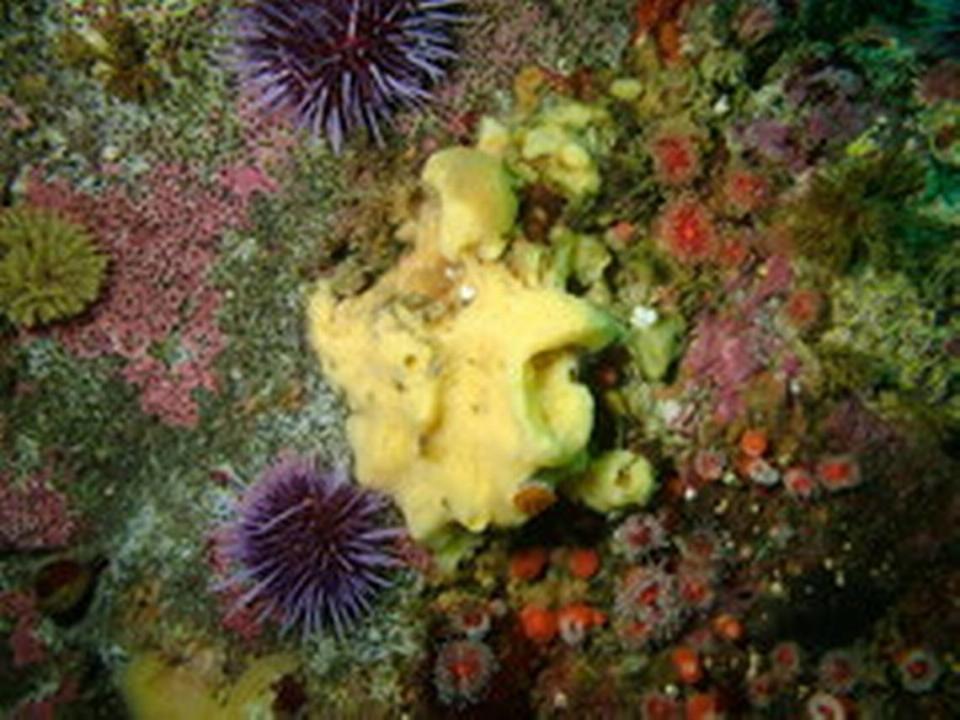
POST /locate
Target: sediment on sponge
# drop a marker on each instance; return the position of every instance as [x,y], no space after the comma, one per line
[50,268]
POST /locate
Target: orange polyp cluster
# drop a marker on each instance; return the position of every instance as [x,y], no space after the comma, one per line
[583,563]
[528,563]
[574,620]
[754,443]
[539,624]
[728,627]
[703,706]
[686,663]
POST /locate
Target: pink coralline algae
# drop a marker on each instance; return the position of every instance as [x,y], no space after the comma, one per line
[730,349]
[723,351]
[162,243]
[33,515]
[268,139]
[494,55]
[47,707]
[244,620]
[26,646]
[776,277]
[246,180]
[851,426]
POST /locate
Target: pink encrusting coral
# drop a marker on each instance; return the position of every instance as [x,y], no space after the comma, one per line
[162,243]
[776,278]
[33,514]
[244,620]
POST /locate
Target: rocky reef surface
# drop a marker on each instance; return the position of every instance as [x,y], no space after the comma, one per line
[471,359]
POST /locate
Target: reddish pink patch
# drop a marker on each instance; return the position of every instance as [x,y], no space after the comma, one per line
[162,244]
[659,706]
[709,464]
[246,180]
[733,252]
[33,514]
[25,644]
[623,232]
[695,586]
[761,690]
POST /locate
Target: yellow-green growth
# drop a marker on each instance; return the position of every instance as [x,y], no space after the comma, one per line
[617,479]
[50,268]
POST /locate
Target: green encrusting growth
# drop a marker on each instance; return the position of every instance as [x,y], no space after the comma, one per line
[50,268]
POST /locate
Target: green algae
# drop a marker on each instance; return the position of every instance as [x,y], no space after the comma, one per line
[50,268]
[901,342]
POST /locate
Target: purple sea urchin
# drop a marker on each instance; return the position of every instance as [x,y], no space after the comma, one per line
[309,547]
[334,65]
